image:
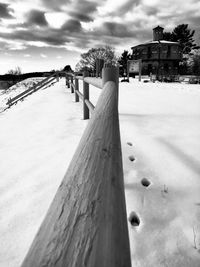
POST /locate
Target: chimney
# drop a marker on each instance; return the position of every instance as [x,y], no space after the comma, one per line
[158,33]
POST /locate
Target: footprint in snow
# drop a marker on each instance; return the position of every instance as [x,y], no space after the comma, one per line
[129,143]
[145,182]
[134,219]
[131,158]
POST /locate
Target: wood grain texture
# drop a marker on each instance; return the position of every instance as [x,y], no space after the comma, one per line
[79,94]
[90,106]
[86,224]
[79,77]
[97,82]
[67,81]
[76,89]
[29,91]
[86,95]
[71,84]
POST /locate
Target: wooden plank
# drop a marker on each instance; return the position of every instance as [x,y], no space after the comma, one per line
[29,91]
[97,82]
[79,94]
[34,88]
[86,224]
[67,81]
[79,77]
[44,84]
[76,89]
[86,111]
[73,85]
[89,105]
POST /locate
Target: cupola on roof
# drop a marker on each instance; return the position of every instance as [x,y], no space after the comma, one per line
[158,33]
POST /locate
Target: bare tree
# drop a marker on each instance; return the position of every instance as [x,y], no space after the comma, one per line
[16,71]
[88,59]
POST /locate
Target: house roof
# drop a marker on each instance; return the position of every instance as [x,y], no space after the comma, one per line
[156,42]
[158,27]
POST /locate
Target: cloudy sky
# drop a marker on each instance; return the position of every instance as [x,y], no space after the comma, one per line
[39,35]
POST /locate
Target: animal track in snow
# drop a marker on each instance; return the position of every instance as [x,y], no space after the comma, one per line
[145,182]
[131,158]
[129,143]
[134,219]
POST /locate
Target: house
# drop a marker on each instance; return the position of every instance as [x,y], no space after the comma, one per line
[159,57]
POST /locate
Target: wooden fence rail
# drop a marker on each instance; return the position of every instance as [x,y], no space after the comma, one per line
[39,85]
[72,81]
[86,224]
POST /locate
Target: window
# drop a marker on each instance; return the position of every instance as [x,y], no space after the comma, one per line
[169,51]
[166,67]
[149,52]
[149,68]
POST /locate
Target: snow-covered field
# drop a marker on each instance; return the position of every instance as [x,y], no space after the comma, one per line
[162,121]
[160,129]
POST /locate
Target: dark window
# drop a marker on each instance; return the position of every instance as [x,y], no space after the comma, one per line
[166,67]
[169,51]
[149,70]
[149,52]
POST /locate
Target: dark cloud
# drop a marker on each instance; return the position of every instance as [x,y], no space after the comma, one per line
[72,25]
[85,7]
[127,7]
[195,21]
[36,17]
[119,33]
[55,5]
[151,11]
[186,18]
[5,11]
[80,16]
[49,37]
[115,29]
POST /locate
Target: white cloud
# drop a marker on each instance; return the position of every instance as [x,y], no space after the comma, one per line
[56,19]
[109,6]
[43,55]
[37,44]
[7,54]
[13,45]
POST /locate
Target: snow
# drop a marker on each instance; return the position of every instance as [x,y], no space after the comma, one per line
[39,136]
[162,122]
[15,90]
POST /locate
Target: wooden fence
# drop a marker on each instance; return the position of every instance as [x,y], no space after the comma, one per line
[86,224]
[39,85]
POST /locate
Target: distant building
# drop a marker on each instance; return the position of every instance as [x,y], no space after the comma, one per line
[159,57]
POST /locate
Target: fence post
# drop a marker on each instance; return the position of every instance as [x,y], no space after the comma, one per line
[57,77]
[76,88]
[72,88]
[85,96]
[111,73]
[97,68]
[67,81]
